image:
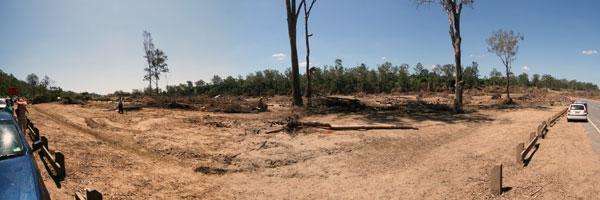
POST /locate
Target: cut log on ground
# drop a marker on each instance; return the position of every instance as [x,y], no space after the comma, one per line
[132,108]
[348,127]
[368,127]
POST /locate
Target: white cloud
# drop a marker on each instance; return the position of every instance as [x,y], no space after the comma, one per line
[279,56]
[383,58]
[589,52]
[432,66]
[525,68]
[478,56]
[302,64]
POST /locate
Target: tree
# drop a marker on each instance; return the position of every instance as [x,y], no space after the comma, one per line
[495,76]
[308,81]
[149,55]
[33,81]
[292,17]
[453,9]
[216,80]
[524,79]
[504,44]
[535,81]
[46,82]
[471,75]
[159,65]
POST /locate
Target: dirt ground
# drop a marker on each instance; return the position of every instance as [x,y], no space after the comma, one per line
[157,153]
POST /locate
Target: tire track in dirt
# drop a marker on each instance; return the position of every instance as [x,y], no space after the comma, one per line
[121,143]
[117,172]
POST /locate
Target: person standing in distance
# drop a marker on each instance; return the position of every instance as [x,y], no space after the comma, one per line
[120,105]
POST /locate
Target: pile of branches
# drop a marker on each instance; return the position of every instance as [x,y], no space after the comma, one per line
[336,104]
[226,104]
[69,100]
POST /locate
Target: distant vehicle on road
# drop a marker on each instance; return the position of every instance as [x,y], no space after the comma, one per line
[19,174]
[577,111]
[2,103]
[585,104]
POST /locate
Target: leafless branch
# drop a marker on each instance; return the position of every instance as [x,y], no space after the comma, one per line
[300,7]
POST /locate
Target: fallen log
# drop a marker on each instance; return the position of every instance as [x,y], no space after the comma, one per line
[296,124]
[351,127]
[132,108]
[314,124]
[369,127]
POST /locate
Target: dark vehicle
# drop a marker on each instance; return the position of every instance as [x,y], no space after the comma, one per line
[19,174]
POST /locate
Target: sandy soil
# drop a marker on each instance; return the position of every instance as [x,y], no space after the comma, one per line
[176,154]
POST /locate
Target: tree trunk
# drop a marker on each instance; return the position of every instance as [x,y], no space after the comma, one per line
[508,85]
[292,19]
[150,86]
[156,84]
[308,85]
[456,39]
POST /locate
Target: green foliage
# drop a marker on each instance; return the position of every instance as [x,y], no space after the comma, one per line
[84,96]
[34,89]
[505,45]
[385,78]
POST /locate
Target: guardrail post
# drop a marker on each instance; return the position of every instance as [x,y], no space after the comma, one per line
[532,136]
[36,134]
[520,148]
[540,132]
[496,178]
[60,159]
[89,195]
[45,141]
[93,195]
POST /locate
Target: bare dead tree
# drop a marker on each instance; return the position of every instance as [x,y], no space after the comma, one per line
[149,51]
[453,9]
[292,19]
[306,15]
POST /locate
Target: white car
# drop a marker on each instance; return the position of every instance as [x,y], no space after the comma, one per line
[2,104]
[577,111]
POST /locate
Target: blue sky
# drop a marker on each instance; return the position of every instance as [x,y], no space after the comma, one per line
[96,46]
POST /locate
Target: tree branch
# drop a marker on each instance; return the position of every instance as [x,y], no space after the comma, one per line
[300,7]
[310,8]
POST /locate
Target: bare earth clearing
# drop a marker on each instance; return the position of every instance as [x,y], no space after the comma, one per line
[158,153]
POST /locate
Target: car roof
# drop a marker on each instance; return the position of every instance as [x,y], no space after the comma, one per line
[5,116]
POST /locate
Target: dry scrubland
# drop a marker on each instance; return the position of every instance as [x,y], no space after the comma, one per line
[159,153]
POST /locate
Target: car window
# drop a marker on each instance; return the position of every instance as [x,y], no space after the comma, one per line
[576,107]
[10,140]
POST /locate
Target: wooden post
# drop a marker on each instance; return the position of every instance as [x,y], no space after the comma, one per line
[45,141]
[93,195]
[520,148]
[540,132]
[60,159]
[36,134]
[532,136]
[496,180]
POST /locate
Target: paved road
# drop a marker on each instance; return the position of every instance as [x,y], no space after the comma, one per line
[592,132]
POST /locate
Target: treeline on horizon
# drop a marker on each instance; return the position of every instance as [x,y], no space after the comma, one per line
[385,78]
[36,89]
